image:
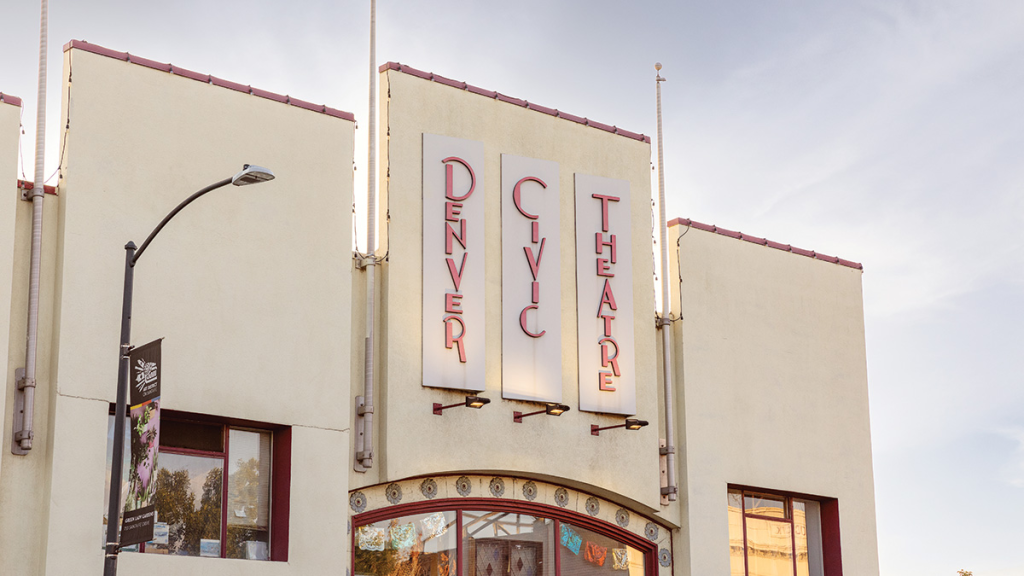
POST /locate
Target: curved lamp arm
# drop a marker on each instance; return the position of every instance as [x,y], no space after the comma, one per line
[250,174]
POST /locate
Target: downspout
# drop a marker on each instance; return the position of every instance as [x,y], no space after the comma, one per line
[364,405]
[665,322]
[26,378]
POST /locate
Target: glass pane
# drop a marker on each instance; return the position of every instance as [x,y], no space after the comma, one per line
[188,505]
[773,506]
[507,544]
[248,495]
[583,552]
[191,435]
[736,566]
[769,548]
[800,534]
[416,545]
[126,463]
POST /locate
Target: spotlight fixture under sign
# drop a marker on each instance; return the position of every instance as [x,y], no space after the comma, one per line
[471,402]
[630,424]
[552,409]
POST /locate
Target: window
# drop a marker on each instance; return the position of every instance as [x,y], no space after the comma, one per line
[774,535]
[221,488]
[493,539]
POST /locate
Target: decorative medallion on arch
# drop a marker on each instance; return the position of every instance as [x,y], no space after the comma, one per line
[476,525]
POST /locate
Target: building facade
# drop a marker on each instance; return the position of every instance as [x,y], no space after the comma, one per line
[514,265]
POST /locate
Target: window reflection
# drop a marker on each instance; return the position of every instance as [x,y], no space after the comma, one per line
[765,506]
[248,499]
[507,544]
[800,535]
[769,548]
[736,564]
[415,545]
[188,501]
[583,552]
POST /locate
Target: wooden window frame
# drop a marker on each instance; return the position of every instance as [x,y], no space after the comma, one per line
[831,551]
[280,473]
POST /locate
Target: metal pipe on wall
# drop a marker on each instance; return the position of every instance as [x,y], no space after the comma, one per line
[23,433]
[364,457]
[666,323]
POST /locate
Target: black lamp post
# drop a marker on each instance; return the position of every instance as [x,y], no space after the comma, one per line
[249,175]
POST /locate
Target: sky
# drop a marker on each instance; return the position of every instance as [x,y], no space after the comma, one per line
[888,132]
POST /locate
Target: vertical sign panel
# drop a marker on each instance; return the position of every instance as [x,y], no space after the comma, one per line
[604,286]
[531,318]
[453,263]
[139,506]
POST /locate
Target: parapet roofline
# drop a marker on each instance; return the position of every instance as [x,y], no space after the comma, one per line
[509,99]
[765,242]
[8,99]
[209,79]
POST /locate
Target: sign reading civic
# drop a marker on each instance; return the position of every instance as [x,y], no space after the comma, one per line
[139,509]
[604,285]
[453,263]
[531,288]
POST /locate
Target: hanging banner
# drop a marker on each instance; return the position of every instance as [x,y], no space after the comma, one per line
[139,512]
[453,263]
[604,287]
[531,287]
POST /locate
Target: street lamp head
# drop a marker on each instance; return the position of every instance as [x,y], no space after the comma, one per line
[252,174]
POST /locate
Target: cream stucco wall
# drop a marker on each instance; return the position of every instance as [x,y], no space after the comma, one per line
[250,287]
[410,440]
[774,391]
[10,129]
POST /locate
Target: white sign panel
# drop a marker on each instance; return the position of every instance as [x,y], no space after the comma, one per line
[604,286]
[531,317]
[453,263]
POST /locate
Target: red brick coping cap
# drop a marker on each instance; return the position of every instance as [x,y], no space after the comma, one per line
[169,68]
[764,242]
[25,185]
[8,99]
[511,100]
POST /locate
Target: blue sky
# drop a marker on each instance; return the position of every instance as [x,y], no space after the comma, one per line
[886,132]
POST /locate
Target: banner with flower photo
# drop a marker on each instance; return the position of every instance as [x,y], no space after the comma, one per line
[144,382]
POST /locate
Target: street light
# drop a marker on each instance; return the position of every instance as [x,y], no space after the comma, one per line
[250,174]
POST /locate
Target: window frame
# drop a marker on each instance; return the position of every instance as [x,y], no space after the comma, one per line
[557,515]
[280,472]
[829,519]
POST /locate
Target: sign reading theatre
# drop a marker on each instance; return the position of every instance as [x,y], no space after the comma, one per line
[531,288]
[604,284]
[453,263]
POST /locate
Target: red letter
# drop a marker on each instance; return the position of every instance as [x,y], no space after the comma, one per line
[450,233]
[522,322]
[456,278]
[607,297]
[601,243]
[534,262]
[605,360]
[536,292]
[453,209]
[449,178]
[603,268]
[536,232]
[604,381]
[607,324]
[604,208]
[516,193]
[450,340]
[452,303]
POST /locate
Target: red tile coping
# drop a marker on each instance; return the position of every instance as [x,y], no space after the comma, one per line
[765,242]
[24,185]
[8,99]
[171,69]
[511,100]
